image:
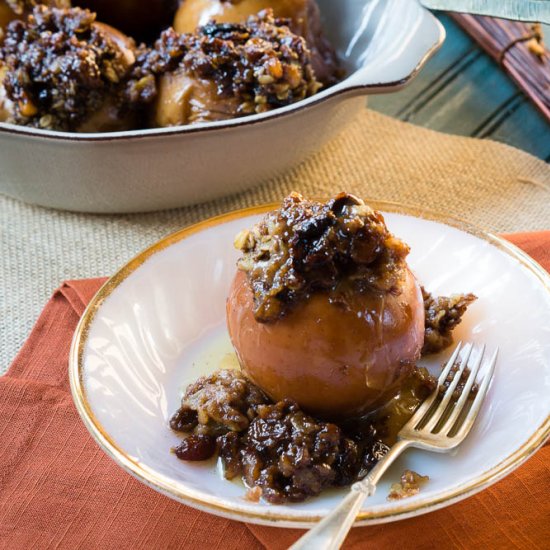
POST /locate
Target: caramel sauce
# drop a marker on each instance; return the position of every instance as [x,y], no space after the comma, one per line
[390,417]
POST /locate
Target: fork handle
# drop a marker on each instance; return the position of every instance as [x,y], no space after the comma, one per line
[330,533]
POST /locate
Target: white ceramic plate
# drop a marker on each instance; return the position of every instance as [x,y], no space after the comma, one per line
[160,323]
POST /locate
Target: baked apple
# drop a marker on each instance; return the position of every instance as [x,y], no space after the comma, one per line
[224,71]
[303,15]
[86,94]
[324,309]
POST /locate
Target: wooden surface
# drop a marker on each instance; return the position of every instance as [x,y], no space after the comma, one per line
[461,90]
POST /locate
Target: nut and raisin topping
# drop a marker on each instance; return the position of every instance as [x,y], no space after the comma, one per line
[20,7]
[281,453]
[222,402]
[408,486]
[307,246]
[290,455]
[442,315]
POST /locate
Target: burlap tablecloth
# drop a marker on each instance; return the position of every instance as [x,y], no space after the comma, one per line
[489,184]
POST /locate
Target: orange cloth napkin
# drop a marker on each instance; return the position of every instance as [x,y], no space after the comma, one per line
[59,490]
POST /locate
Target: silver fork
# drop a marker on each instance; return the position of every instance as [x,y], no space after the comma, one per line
[434,426]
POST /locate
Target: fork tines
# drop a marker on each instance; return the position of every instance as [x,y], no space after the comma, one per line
[451,410]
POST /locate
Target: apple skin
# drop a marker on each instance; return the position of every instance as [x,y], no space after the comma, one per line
[184,99]
[336,362]
[194,13]
[6,106]
[6,15]
[140,19]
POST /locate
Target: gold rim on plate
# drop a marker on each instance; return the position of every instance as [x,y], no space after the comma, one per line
[271,515]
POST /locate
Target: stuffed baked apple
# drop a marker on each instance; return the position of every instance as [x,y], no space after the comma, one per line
[303,18]
[324,309]
[63,70]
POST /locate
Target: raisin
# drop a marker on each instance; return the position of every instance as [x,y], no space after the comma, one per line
[196,448]
[184,420]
